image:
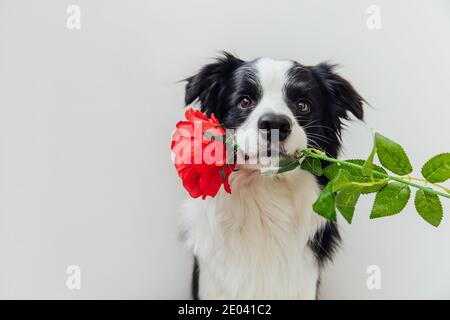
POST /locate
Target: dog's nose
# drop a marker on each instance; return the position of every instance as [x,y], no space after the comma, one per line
[272,121]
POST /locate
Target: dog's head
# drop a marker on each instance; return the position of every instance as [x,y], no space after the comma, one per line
[303,105]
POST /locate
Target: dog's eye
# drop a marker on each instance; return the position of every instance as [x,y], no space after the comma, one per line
[303,107]
[245,102]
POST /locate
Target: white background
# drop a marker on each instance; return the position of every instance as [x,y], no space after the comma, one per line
[86,117]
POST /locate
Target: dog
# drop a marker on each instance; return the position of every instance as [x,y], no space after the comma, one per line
[263,241]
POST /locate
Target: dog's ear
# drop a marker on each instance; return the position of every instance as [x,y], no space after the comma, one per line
[207,83]
[341,93]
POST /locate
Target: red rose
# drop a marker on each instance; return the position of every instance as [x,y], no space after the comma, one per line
[201,155]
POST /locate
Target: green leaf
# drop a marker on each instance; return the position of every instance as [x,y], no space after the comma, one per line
[437,169]
[287,164]
[356,175]
[429,207]
[392,156]
[346,200]
[390,200]
[332,170]
[312,165]
[325,204]
[341,180]
[368,165]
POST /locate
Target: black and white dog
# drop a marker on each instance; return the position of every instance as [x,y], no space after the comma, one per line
[263,241]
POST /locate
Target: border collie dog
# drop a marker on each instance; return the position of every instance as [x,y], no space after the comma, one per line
[263,241]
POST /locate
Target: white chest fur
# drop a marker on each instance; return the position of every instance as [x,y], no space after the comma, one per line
[253,244]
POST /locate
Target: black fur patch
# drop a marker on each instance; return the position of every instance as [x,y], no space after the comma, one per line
[195,280]
[325,243]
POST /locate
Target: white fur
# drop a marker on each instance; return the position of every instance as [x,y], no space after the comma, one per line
[253,243]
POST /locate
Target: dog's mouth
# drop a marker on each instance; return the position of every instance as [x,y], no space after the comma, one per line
[269,153]
[272,155]
[261,152]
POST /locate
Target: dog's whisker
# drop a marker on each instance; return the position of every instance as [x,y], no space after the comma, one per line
[321,138]
[315,144]
[317,126]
